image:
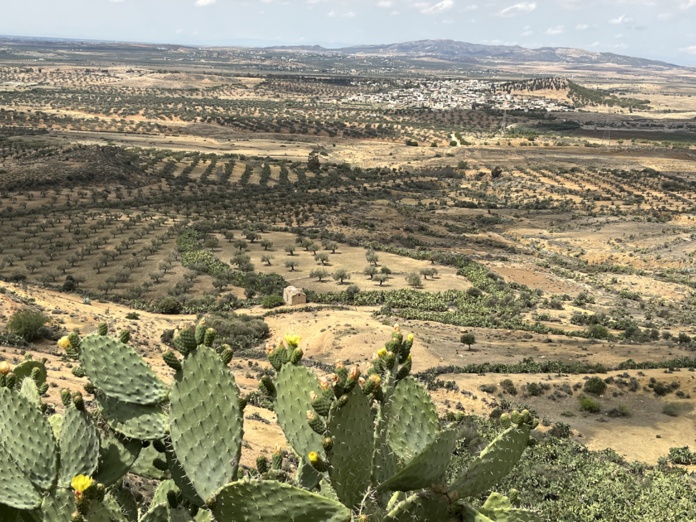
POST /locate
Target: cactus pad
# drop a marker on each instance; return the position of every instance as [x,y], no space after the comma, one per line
[352,427]
[144,467]
[412,422]
[133,420]
[293,387]
[30,391]
[499,508]
[28,437]
[59,506]
[79,446]
[206,422]
[15,489]
[427,468]
[117,370]
[115,459]
[494,462]
[426,507]
[270,501]
[25,368]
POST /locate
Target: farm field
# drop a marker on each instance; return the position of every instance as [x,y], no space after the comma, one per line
[531,253]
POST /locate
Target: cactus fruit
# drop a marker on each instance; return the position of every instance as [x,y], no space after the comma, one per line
[102,329]
[78,401]
[78,371]
[267,386]
[296,356]
[200,330]
[315,422]
[321,403]
[172,360]
[277,459]
[185,339]
[209,337]
[226,355]
[124,336]
[261,464]
[317,462]
[65,397]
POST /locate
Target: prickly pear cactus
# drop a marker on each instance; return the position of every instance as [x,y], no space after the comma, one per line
[206,421]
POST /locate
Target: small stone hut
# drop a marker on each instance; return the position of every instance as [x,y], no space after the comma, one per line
[294,296]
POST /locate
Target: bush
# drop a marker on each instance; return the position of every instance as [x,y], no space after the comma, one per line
[590,405]
[169,306]
[27,324]
[595,386]
[509,387]
[672,409]
[133,316]
[683,456]
[561,430]
[272,301]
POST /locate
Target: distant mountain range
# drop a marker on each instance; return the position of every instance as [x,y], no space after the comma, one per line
[453,51]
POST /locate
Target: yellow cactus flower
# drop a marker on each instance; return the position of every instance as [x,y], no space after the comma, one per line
[292,340]
[382,352]
[376,379]
[313,457]
[409,338]
[64,342]
[81,483]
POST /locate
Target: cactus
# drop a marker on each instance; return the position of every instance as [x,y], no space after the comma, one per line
[258,501]
[30,442]
[28,368]
[206,421]
[357,444]
[133,420]
[79,446]
[294,386]
[16,490]
[351,455]
[119,372]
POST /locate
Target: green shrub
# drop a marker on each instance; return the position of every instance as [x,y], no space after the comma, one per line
[27,324]
[169,306]
[272,301]
[133,316]
[683,456]
[590,405]
[561,430]
[595,386]
[508,386]
[672,409]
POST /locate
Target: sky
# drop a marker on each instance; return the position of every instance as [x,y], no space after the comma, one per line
[656,29]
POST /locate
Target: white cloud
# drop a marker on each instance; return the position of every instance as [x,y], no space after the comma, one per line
[334,14]
[582,27]
[439,7]
[527,31]
[385,3]
[553,31]
[665,16]
[515,9]
[204,3]
[688,4]
[623,19]
[116,1]
[690,50]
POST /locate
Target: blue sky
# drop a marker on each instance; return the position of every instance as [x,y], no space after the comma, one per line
[658,29]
